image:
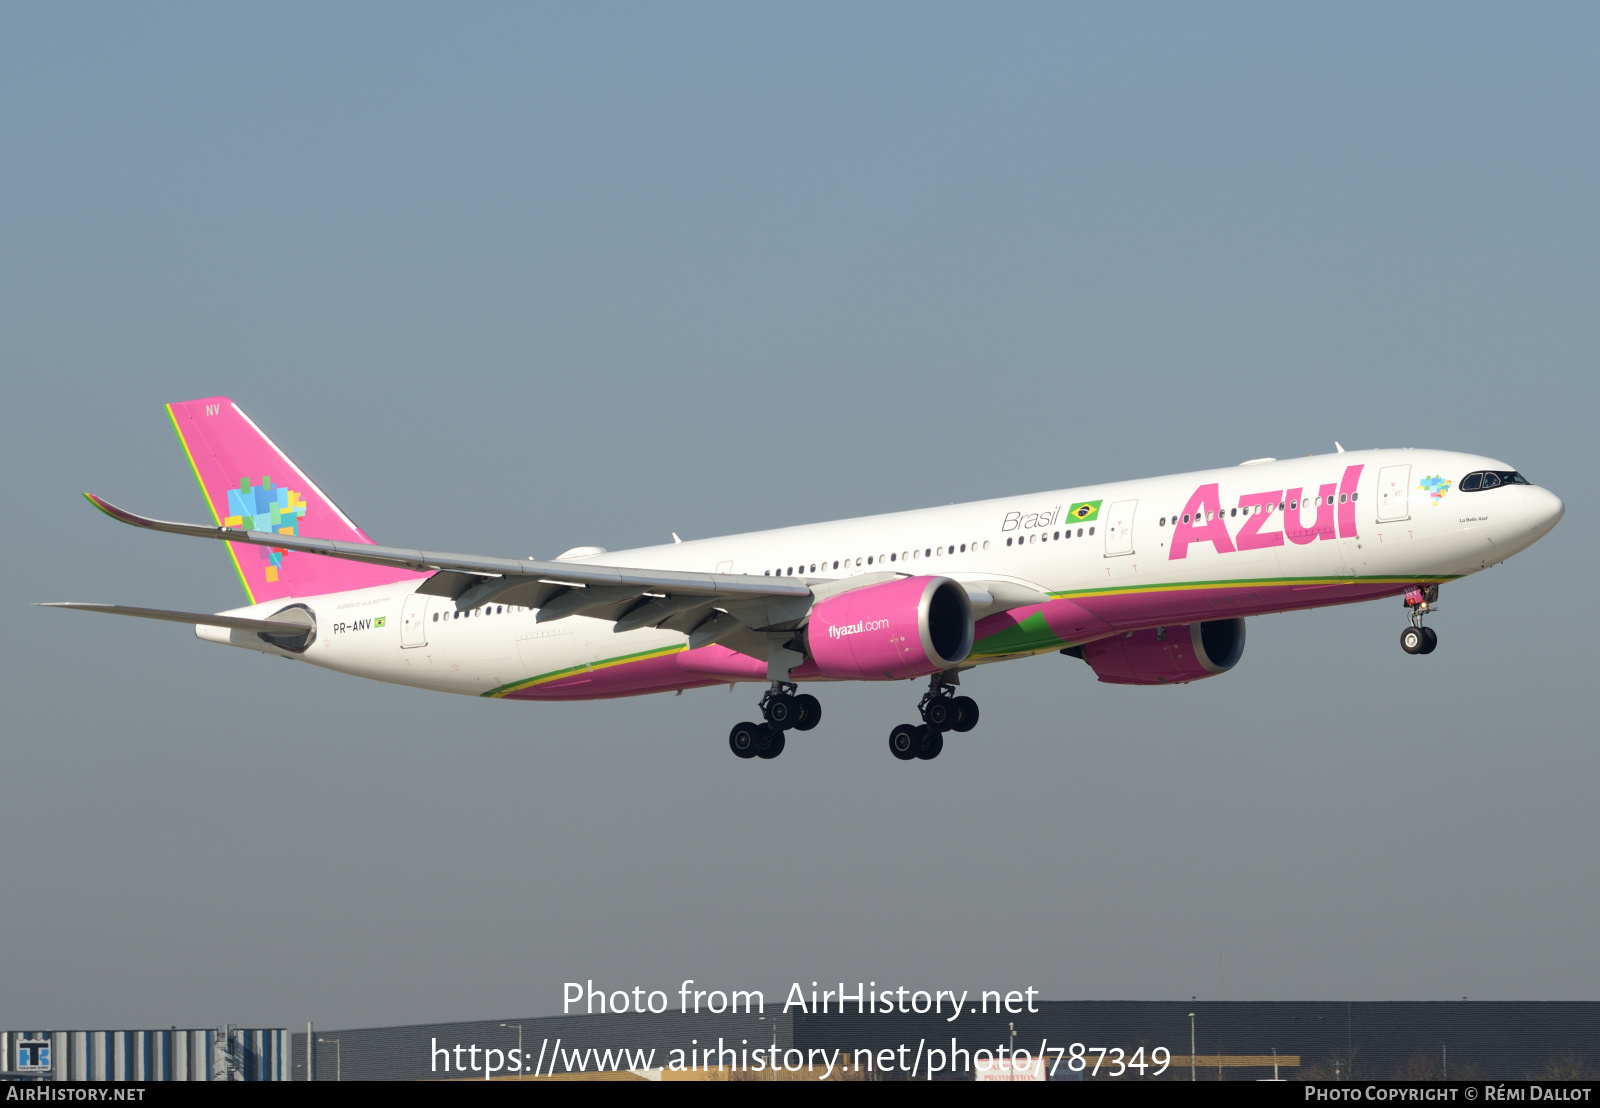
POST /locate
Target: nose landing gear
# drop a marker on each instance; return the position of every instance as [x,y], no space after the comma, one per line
[941,711]
[1418,639]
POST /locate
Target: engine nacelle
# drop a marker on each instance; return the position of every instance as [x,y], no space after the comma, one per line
[1168,655]
[905,628]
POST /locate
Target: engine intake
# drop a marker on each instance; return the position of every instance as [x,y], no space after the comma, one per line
[1168,655]
[905,628]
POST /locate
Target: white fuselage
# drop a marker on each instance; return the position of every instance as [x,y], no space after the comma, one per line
[1385,541]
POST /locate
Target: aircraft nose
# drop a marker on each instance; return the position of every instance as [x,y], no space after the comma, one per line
[1543,509]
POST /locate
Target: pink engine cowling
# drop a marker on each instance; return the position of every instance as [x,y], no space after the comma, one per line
[1168,655]
[905,628]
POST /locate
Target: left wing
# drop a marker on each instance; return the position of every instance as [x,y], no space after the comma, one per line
[633,598]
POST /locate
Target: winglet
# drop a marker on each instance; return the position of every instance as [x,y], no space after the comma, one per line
[115,512]
[122,515]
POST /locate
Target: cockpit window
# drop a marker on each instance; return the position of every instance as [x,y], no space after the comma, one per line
[1491,479]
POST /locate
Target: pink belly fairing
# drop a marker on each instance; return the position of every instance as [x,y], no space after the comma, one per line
[1130,611]
[1029,629]
[682,669]
[1040,627]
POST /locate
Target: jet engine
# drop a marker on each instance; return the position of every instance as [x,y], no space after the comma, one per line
[1167,655]
[905,628]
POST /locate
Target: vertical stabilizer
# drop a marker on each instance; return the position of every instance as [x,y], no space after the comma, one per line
[248,482]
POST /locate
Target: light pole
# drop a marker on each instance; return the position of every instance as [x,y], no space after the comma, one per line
[518,1026]
[338,1058]
[1191,1046]
[774,1021]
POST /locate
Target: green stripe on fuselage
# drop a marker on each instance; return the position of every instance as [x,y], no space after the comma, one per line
[573,671]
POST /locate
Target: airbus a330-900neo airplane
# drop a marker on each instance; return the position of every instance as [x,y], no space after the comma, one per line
[1147,581]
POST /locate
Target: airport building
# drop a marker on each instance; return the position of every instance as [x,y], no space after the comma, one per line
[166,1054]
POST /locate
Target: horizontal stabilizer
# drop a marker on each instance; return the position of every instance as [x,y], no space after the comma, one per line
[264,626]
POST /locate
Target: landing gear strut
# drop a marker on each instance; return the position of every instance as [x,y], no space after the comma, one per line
[941,711]
[782,709]
[1418,639]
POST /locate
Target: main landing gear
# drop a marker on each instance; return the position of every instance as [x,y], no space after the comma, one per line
[941,711]
[1418,639]
[783,708]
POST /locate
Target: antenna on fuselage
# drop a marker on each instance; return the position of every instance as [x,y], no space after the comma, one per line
[1337,447]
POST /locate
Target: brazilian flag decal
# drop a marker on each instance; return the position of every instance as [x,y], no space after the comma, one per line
[1085,511]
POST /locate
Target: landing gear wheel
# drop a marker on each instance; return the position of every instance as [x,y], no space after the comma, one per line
[904,741]
[809,712]
[1431,640]
[940,713]
[774,746]
[744,739]
[1412,640]
[966,714]
[782,711]
[932,743]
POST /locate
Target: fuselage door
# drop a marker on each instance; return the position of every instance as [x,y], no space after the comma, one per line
[1394,482]
[413,621]
[1119,528]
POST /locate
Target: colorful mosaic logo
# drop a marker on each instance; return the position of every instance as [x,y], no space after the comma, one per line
[1085,511]
[265,507]
[1435,487]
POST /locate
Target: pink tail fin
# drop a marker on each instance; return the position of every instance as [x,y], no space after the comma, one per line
[248,482]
